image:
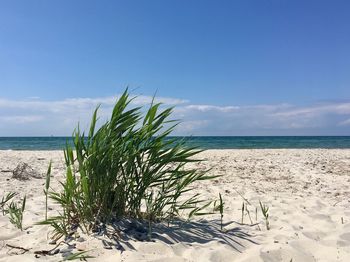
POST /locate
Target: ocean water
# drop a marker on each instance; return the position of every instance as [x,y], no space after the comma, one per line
[205,142]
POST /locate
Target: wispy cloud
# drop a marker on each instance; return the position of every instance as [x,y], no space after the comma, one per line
[41,117]
[62,105]
[21,119]
[208,108]
[342,108]
[274,119]
[59,117]
[345,122]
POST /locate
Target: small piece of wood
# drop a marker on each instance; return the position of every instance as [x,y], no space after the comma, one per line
[17,247]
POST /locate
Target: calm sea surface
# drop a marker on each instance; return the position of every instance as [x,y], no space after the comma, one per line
[205,142]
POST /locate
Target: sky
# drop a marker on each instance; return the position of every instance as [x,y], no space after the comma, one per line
[263,67]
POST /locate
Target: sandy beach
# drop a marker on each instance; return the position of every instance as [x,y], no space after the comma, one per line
[307,192]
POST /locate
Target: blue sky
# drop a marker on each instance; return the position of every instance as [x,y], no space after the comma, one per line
[244,67]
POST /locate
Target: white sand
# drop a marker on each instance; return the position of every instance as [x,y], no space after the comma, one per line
[307,191]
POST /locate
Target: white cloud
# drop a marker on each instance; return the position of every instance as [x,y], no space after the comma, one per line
[278,119]
[21,119]
[82,103]
[144,100]
[345,122]
[343,108]
[206,108]
[40,117]
[61,116]
[190,126]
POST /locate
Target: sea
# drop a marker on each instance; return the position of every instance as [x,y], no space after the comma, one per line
[204,142]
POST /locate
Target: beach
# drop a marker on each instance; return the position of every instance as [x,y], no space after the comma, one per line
[306,190]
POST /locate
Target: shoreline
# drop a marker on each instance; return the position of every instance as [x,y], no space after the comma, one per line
[307,191]
[202,142]
[209,149]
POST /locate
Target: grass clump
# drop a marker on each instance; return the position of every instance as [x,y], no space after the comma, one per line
[265,211]
[15,213]
[128,168]
[6,199]
[14,210]
[47,186]
[220,208]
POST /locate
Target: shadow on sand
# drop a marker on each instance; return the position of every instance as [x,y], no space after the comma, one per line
[200,232]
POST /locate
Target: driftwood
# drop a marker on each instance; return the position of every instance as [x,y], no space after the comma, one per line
[23,250]
[50,252]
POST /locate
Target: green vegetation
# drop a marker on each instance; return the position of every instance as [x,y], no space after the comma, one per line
[265,211]
[6,199]
[245,211]
[128,168]
[47,185]
[221,209]
[16,213]
[248,213]
[243,206]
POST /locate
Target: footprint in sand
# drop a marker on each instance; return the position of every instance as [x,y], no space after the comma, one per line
[344,240]
[180,249]
[156,248]
[223,255]
[286,254]
[317,236]
[9,236]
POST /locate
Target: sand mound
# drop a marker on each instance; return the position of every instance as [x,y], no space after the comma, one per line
[24,171]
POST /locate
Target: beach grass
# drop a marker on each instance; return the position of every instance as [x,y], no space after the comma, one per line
[265,211]
[127,168]
[221,209]
[47,186]
[6,199]
[16,212]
